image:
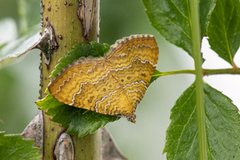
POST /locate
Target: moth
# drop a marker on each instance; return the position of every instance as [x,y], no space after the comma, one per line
[114,84]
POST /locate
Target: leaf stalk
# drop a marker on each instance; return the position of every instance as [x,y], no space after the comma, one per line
[205,72]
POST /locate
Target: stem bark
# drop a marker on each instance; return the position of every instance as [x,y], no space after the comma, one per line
[62,15]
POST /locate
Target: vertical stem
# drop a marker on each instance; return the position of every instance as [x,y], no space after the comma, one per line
[199,79]
[62,15]
[22,15]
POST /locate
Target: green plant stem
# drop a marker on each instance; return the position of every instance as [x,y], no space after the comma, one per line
[199,79]
[206,72]
[23,16]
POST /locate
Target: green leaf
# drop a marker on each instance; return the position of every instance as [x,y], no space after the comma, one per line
[224,29]
[14,147]
[16,48]
[78,121]
[222,126]
[172,20]
[206,9]
[22,32]
[155,76]
[48,102]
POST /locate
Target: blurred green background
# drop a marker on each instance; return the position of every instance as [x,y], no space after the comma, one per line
[19,83]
